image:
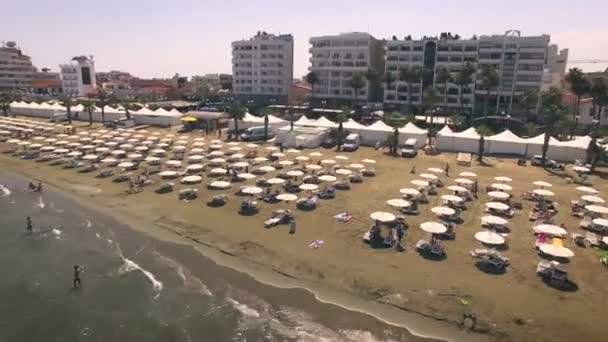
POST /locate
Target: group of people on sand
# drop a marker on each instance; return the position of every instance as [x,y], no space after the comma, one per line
[136,184]
[391,240]
[34,187]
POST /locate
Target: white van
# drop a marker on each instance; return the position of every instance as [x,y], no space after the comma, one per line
[256,134]
[409,148]
[351,142]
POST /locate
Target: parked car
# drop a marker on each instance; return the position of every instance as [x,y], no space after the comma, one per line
[351,143]
[537,160]
[330,142]
[409,148]
[256,134]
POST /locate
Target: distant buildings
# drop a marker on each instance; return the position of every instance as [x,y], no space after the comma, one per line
[46,83]
[334,59]
[16,69]
[262,68]
[78,76]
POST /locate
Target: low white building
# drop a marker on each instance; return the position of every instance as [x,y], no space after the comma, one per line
[78,76]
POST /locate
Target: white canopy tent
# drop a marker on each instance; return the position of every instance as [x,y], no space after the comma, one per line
[411,131]
[506,142]
[465,141]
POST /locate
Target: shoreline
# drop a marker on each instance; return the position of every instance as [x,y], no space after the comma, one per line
[418,324]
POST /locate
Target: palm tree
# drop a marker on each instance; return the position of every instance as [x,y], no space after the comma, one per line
[128,106]
[552,115]
[265,112]
[395,120]
[483,132]
[67,102]
[444,76]
[430,99]
[102,95]
[489,80]
[551,97]
[357,82]
[530,100]
[5,102]
[599,93]
[600,153]
[313,79]
[410,75]
[237,112]
[579,86]
[342,117]
[89,107]
[464,78]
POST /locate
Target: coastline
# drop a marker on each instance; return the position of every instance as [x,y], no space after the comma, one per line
[418,324]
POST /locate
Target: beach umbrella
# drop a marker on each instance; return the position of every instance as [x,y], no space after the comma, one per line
[126,165]
[294,151]
[588,190]
[356,166]
[398,203]
[295,173]
[252,190]
[97,142]
[195,158]
[240,165]
[550,229]
[275,181]
[173,163]
[464,181]
[215,146]
[109,161]
[501,186]
[70,145]
[468,174]
[313,167]
[286,162]
[382,216]
[235,148]
[343,172]
[236,156]
[50,140]
[135,156]
[252,146]
[110,144]
[497,206]
[216,141]
[46,148]
[191,179]
[556,251]
[302,158]
[443,211]
[266,168]
[315,154]
[199,139]
[271,148]
[428,176]
[162,145]
[153,160]
[179,148]
[260,159]
[74,154]
[435,170]
[217,161]
[581,169]
[341,157]
[220,185]
[233,143]
[287,197]
[498,195]
[131,141]
[168,174]
[489,238]
[246,176]
[35,146]
[34,138]
[198,144]
[503,179]
[493,220]
[194,168]
[216,154]
[118,153]
[328,161]
[218,171]
[16,141]
[57,143]
[278,155]
[90,157]
[543,192]
[368,161]
[308,187]
[327,178]
[542,184]
[592,199]
[158,152]
[452,198]
[434,227]
[420,183]
[142,148]
[598,209]
[410,192]
[196,151]
[600,222]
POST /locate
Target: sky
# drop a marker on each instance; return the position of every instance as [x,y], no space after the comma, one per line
[154,38]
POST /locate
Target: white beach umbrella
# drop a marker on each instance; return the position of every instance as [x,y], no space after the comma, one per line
[111,144]
[195,158]
[328,161]
[46,148]
[179,148]
[489,238]
[315,154]
[420,183]
[194,168]
[74,154]
[233,143]
[110,161]
[302,158]
[543,192]
[191,179]
[443,211]
[368,161]
[295,173]
[275,181]
[90,157]
[240,165]
[216,154]
[246,176]
[118,153]
[196,151]
[198,144]
[168,174]
[409,192]
[252,190]
[278,155]
[308,187]
[35,146]
[287,197]
[581,169]
[497,206]
[199,139]
[452,198]
[266,168]
[433,227]
[217,161]
[343,172]
[251,146]
[162,145]
[503,179]
[313,167]
[464,181]
[468,174]
[593,199]
[236,156]
[141,148]
[173,163]
[126,165]
[436,170]
[493,220]
[356,166]
[286,162]
[218,171]
[153,160]
[542,184]
[556,251]
[498,195]
[341,157]
[398,203]
[294,151]
[550,229]
[428,176]
[600,222]
[598,209]
[158,152]
[588,190]
[382,216]
[235,149]
[260,159]
[502,187]
[215,146]
[135,156]
[327,178]
[220,185]
[272,148]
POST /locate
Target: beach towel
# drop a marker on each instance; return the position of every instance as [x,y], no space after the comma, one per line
[316,244]
[344,217]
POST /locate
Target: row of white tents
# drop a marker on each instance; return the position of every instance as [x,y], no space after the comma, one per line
[507,143]
[144,116]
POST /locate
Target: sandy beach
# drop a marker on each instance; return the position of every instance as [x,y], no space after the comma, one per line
[515,306]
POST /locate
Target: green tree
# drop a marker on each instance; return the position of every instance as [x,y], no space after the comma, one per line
[410,75]
[395,120]
[5,102]
[551,97]
[444,76]
[237,112]
[463,79]
[552,115]
[529,101]
[531,129]
[579,86]
[483,132]
[341,118]
[599,93]
[600,154]
[313,79]
[67,102]
[430,99]
[102,95]
[89,107]
[265,113]
[357,82]
[128,106]
[489,81]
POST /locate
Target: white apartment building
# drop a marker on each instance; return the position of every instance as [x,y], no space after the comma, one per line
[334,59]
[262,68]
[16,69]
[78,76]
[520,62]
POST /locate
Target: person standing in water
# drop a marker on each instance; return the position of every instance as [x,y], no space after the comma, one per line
[29,227]
[77,283]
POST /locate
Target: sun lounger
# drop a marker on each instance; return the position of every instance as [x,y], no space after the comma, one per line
[591,239]
[343,217]
[307,203]
[329,193]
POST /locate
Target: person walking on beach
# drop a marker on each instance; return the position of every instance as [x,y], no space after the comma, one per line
[131,187]
[292,226]
[29,227]
[413,170]
[77,283]
[447,169]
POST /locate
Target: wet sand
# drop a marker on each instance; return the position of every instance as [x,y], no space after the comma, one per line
[514,306]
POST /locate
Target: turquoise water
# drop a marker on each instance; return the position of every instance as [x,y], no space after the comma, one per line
[135,288]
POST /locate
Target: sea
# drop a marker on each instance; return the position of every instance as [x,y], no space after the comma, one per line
[137,288]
